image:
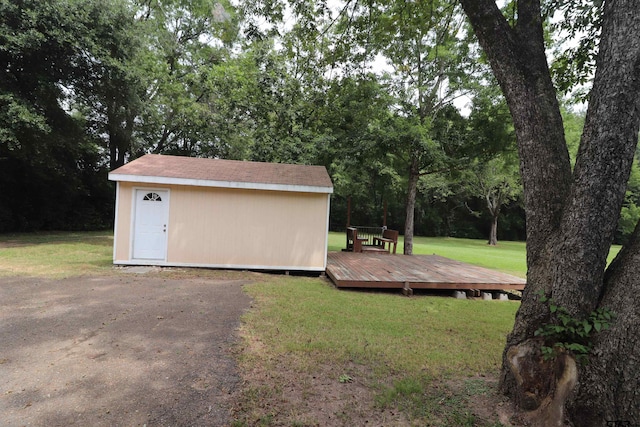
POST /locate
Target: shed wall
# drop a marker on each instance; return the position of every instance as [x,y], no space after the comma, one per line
[235,228]
[123,221]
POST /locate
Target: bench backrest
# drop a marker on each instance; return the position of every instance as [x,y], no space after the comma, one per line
[390,234]
[352,233]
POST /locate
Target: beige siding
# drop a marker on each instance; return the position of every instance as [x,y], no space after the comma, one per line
[247,228]
[236,228]
[123,222]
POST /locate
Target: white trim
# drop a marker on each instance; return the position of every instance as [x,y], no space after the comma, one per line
[326,231]
[220,184]
[115,221]
[133,220]
[220,266]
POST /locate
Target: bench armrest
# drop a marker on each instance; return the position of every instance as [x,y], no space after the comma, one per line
[383,239]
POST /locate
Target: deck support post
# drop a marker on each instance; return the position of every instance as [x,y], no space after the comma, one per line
[407,291]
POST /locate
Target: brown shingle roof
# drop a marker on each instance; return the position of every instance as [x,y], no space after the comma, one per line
[211,172]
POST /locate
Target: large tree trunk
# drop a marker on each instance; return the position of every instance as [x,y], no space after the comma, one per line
[493,233]
[410,207]
[609,386]
[493,206]
[571,220]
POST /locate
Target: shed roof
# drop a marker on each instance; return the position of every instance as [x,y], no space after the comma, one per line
[164,169]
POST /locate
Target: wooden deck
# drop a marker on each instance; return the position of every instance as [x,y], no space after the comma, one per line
[371,270]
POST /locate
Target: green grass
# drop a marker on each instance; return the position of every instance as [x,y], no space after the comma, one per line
[433,403]
[406,350]
[431,336]
[56,255]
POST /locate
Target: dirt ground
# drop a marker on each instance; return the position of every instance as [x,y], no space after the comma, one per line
[280,396]
[124,350]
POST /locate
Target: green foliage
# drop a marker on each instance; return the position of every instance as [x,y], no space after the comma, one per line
[630,212]
[490,125]
[428,65]
[187,98]
[495,183]
[573,125]
[51,170]
[567,333]
[629,217]
[491,173]
[576,42]
[345,378]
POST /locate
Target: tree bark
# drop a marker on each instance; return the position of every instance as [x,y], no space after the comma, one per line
[518,61]
[609,386]
[493,233]
[410,207]
[571,219]
[494,202]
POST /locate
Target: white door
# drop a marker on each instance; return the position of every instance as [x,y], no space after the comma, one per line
[150,224]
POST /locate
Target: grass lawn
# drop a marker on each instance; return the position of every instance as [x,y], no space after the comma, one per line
[56,255]
[425,358]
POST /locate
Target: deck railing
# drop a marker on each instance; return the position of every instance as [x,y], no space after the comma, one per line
[365,232]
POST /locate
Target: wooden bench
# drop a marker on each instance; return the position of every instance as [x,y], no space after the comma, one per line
[354,243]
[388,236]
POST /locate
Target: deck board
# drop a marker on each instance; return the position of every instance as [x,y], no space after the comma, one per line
[373,270]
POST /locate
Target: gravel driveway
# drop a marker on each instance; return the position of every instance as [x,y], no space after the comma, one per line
[124,350]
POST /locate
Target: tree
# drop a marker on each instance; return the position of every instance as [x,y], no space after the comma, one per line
[154,69]
[358,121]
[187,44]
[284,111]
[493,175]
[85,85]
[51,171]
[572,216]
[421,42]
[496,181]
[427,64]
[111,97]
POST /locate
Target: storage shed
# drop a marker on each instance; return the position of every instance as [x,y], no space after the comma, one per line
[196,212]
